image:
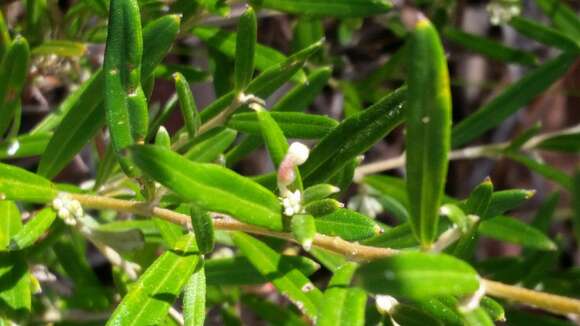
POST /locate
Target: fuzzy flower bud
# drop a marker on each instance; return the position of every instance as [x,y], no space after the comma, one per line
[68,209]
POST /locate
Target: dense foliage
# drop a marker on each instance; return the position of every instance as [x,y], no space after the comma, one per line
[168,225]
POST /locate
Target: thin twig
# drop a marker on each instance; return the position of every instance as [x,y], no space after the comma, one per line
[468,153]
[553,303]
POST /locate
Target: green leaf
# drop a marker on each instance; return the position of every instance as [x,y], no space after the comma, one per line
[170,232]
[428,135]
[187,105]
[568,143]
[399,237]
[162,138]
[543,34]
[271,312]
[477,317]
[297,99]
[225,42]
[210,186]
[203,228]
[323,8]
[245,49]
[352,137]
[444,309]
[166,71]
[511,99]
[88,291]
[493,308]
[266,83]
[293,124]
[238,270]
[562,16]
[543,169]
[318,192]
[288,280]
[153,294]
[209,146]
[514,231]
[480,198]
[408,315]
[342,305]
[323,206]
[543,217]
[194,299]
[273,136]
[4,36]
[82,114]
[62,48]
[489,48]
[74,132]
[24,145]
[19,184]
[506,200]
[33,229]
[15,296]
[307,30]
[418,275]
[125,102]
[347,224]
[303,229]
[13,73]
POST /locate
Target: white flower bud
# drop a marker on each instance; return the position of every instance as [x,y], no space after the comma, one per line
[385,304]
[298,153]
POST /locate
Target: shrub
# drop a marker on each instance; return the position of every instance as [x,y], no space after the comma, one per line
[187,232]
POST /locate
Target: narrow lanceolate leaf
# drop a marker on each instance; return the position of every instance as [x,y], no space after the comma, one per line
[293,124]
[428,128]
[347,224]
[19,184]
[208,147]
[353,137]
[210,186]
[16,293]
[287,279]
[187,105]
[480,198]
[506,200]
[153,294]
[489,48]
[296,99]
[13,73]
[514,231]
[341,304]
[569,143]
[239,271]
[33,229]
[4,36]
[399,237]
[333,8]
[202,224]
[245,48]
[271,312]
[24,145]
[224,42]
[62,48]
[125,102]
[477,317]
[511,100]
[82,114]
[194,299]
[273,136]
[405,314]
[543,169]
[562,16]
[419,275]
[493,308]
[543,34]
[303,229]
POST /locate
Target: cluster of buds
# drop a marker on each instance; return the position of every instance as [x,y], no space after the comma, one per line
[68,209]
[292,201]
[502,11]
